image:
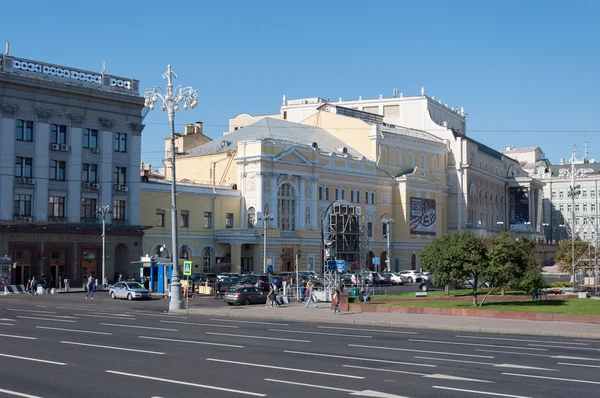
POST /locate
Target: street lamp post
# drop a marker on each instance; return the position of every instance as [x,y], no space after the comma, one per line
[265,219]
[298,255]
[573,193]
[388,222]
[170,99]
[103,210]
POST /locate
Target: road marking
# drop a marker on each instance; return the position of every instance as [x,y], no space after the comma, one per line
[359,359]
[34,311]
[310,385]
[18,394]
[368,330]
[515,353]
[566,348]
[430,376]
[8,319]
[74,330]
[376,394]
[202,324]
[185,383]
[423,351]
[45,319]
[163,315]
[258,365]
[255,322]
[552,378]
[576,358]
[33,359]
[477,345]
[191,342]
[322,333]
[500,365]
[139,327]
[6,324]
[258,337]
[18,337]
[523,340]
[480,392]
[108,347]
[107,316]
[578,364]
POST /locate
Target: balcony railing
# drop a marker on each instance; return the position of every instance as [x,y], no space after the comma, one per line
[288,234]
[238,231]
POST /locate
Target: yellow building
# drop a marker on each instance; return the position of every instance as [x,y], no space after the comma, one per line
[330,186]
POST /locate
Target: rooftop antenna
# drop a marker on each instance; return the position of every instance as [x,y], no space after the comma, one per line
[7,47]
[585,150]
[103,67]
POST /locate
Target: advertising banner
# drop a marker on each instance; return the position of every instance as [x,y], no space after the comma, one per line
[423,216]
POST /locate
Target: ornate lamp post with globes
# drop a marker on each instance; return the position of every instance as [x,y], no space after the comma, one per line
[170,99]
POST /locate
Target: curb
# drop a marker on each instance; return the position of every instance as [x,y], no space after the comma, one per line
[472,329]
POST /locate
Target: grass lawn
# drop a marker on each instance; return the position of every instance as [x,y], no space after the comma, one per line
[571,306]
[441,293]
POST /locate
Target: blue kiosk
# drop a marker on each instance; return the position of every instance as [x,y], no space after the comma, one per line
[159,270]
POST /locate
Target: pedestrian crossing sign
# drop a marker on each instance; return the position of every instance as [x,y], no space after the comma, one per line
[187,268]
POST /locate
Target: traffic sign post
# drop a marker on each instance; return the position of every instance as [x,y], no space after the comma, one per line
[187,268]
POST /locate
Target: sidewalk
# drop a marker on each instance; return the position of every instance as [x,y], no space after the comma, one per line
[297,313]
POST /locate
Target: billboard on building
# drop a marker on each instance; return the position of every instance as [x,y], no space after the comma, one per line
[519,210]
[423,216]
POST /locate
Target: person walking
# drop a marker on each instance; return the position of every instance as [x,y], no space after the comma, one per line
[310,295]
[34,284]
[335,299]
[218,293]
[28,287]
[90,287]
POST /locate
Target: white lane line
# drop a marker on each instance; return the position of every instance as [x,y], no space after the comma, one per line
[108,347]
[565,348]
[425,375]
[259,365]
[107,316]
[18,394]
[523,340]
[7,324]
[185,383]
[255,322]
[45,319]
[202,324]
[499,365]
[385,370]
[310,385]
[368,330]
[477,345]
[359,358]
[34,311]
[376,394]
[258,337]
[119,315]
[422,351]
[161,315]
[8,319]
[42,306]
[191,342]
[33,359]
[18,337]
[578,364]
[552,378]
[542,355]
[322,333]
[74,330]
[480,392]
[575,358]
[139,327]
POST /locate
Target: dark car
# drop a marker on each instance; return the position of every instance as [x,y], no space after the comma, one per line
[226,283]
[245,295]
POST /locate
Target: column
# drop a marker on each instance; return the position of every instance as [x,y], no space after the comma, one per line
[7,160]
[301,217]
[260,193]
[314,204]
[105,178]
[74,168]
[236,257]
[273,199]
[133,174]
[41,164]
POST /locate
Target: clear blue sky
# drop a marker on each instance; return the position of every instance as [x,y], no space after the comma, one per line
[525,71]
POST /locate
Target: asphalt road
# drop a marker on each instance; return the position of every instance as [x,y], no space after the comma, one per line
[65,345]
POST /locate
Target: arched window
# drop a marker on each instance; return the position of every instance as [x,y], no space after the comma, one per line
[384,158]
[286,207]
[472,203]
[251,217]
[206,259]
[184,253]
[398,157]
[424,161]
[266,209]
[411,160]
[434,164]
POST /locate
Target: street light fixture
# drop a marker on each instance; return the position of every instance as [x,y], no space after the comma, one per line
[573,193]
[298,255]
[265,219]
[170,99]
[103,210]
[388,221]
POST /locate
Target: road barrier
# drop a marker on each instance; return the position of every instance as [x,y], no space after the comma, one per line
[14,289]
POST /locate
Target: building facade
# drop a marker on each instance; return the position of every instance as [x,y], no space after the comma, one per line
[70,141]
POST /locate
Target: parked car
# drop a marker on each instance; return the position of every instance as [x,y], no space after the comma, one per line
[397,278]
[412,276]
[245,295]
[227,282]
[373,278]
[128,290]
[385,278]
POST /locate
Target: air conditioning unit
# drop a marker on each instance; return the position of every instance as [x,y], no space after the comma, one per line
[117,187]
[27,219]
[124,188]
[86,184]
[22,180]
[64,148]
[96,150]
[54,147]
[95,186]
[30,181]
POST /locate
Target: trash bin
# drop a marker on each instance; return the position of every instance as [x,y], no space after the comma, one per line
[355,291]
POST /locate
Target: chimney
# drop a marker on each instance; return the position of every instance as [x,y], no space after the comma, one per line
[189,129]
[198,128]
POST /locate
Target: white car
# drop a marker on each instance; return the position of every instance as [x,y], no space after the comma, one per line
[412,276]
[398,279]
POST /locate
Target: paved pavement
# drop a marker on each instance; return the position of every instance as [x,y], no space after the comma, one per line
[65,345]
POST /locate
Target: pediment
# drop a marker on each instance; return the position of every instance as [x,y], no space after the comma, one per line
[292,156]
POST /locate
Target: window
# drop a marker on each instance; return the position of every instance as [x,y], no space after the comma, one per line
[120,142]
[119,210]
[184,219]
[206,260]
[584,193]
[58,134]
[324,193]
[207,219]
[553,194]
[561,194]
[56,206]
[88,208]
[24,167]
[576,207]
[160,218]
[286,208]
[370,229]
[384,230]
[119,175]
[251,217]
[568,207]
[584,207]
[90,172]
[90,138]
[593,193]
[23,205]
[577,221]
[372,198]
[24,130]
[561,207]
[58,170]
[340,194]
[228,220]
[593,207]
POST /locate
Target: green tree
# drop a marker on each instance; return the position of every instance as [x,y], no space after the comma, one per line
[453,258]
[564,254]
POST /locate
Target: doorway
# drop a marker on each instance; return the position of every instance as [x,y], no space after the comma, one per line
[22,271]
[58,262]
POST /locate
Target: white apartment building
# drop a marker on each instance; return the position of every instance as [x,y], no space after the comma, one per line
[69,142]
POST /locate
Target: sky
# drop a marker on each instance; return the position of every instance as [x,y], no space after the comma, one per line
[526,72]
